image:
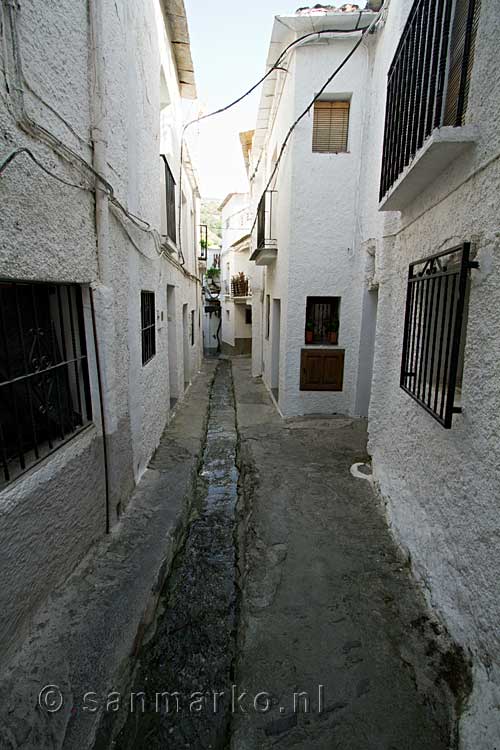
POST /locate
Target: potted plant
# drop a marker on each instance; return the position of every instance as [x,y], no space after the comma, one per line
[333,331]
[309,331]
[213,272]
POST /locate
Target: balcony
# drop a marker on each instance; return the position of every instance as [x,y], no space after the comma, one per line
[267,244]
[427,91]
[240,289]
[203,242]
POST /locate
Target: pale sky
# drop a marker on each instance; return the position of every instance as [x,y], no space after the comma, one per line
[229,43]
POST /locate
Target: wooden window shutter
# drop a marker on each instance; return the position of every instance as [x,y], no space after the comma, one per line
[322,369]
[330,127]
[463,39]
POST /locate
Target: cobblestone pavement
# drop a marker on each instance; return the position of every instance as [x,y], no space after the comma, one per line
[289,601]
[328,600]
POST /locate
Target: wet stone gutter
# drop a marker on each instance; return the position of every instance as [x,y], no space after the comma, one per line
[85,638]
[185,671]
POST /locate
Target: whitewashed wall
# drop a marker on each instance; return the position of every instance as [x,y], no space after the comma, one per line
[50,516]
[442,487]
[319,251]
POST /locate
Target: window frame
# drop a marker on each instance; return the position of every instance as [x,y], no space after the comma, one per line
[431,313]
[148,326]
[322,325]
[47,371]
[170,202]
[335,132]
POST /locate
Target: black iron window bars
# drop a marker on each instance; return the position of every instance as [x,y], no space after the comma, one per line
[428,80]
[170,202]
[148,326]
[44,380]
[265,220]
[434,331]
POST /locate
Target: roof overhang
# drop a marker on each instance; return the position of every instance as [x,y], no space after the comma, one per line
[285,30]
[176,18]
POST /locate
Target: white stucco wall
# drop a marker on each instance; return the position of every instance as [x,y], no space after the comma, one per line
[442,487]
[237,221]
[319,252]
[50,516]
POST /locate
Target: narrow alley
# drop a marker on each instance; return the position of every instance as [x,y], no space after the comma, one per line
[291,619]
[249,375]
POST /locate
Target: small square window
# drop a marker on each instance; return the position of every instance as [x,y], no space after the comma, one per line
[322,320]
[148,326]
[330,127]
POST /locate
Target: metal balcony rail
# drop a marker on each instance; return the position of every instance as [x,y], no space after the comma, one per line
[44,381]
[203,241]
[434,330]
[265,226]
[428,79]
[240,286]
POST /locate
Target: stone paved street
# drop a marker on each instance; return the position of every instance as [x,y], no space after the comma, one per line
[327,600]
[290,601]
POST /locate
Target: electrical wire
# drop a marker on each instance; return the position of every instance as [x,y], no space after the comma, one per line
[239,99]
[308,108]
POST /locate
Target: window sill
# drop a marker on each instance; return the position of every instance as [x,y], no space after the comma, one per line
[442,147]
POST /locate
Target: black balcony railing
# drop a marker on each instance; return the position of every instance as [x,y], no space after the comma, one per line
[203,241]
[265,226]
[428,79]
[433,344]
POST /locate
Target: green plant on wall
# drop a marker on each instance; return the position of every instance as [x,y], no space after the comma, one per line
[212,273]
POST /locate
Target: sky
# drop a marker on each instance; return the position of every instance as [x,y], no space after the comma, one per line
[229,44]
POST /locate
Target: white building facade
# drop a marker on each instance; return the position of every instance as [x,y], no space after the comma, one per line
[236,272]
[100,292]
[312,330]
[402,225]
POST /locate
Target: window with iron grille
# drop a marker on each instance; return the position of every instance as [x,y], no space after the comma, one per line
[170,199]
[428,81]
[330,126]
[148,326]
[44,380]
[322,320]
[434,332]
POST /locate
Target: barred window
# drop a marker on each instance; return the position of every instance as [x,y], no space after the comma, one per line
[434,332]
[148,326]
[330,126]
[322,320]
[170,203]
[44,379]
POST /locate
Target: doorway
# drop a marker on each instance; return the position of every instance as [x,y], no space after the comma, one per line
[275,348]
[185,341]
[172,347]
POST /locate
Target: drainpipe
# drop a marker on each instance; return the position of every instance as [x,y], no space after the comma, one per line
[102,295]
[99,136]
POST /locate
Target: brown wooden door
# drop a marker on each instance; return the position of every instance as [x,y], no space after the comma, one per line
[322,369]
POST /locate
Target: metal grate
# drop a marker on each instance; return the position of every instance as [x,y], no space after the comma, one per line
[148,326]
[434,331]
[203,241]
[170,199]
[44,381]
[265,225]
[417,87]
[330,127]
[322,320]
